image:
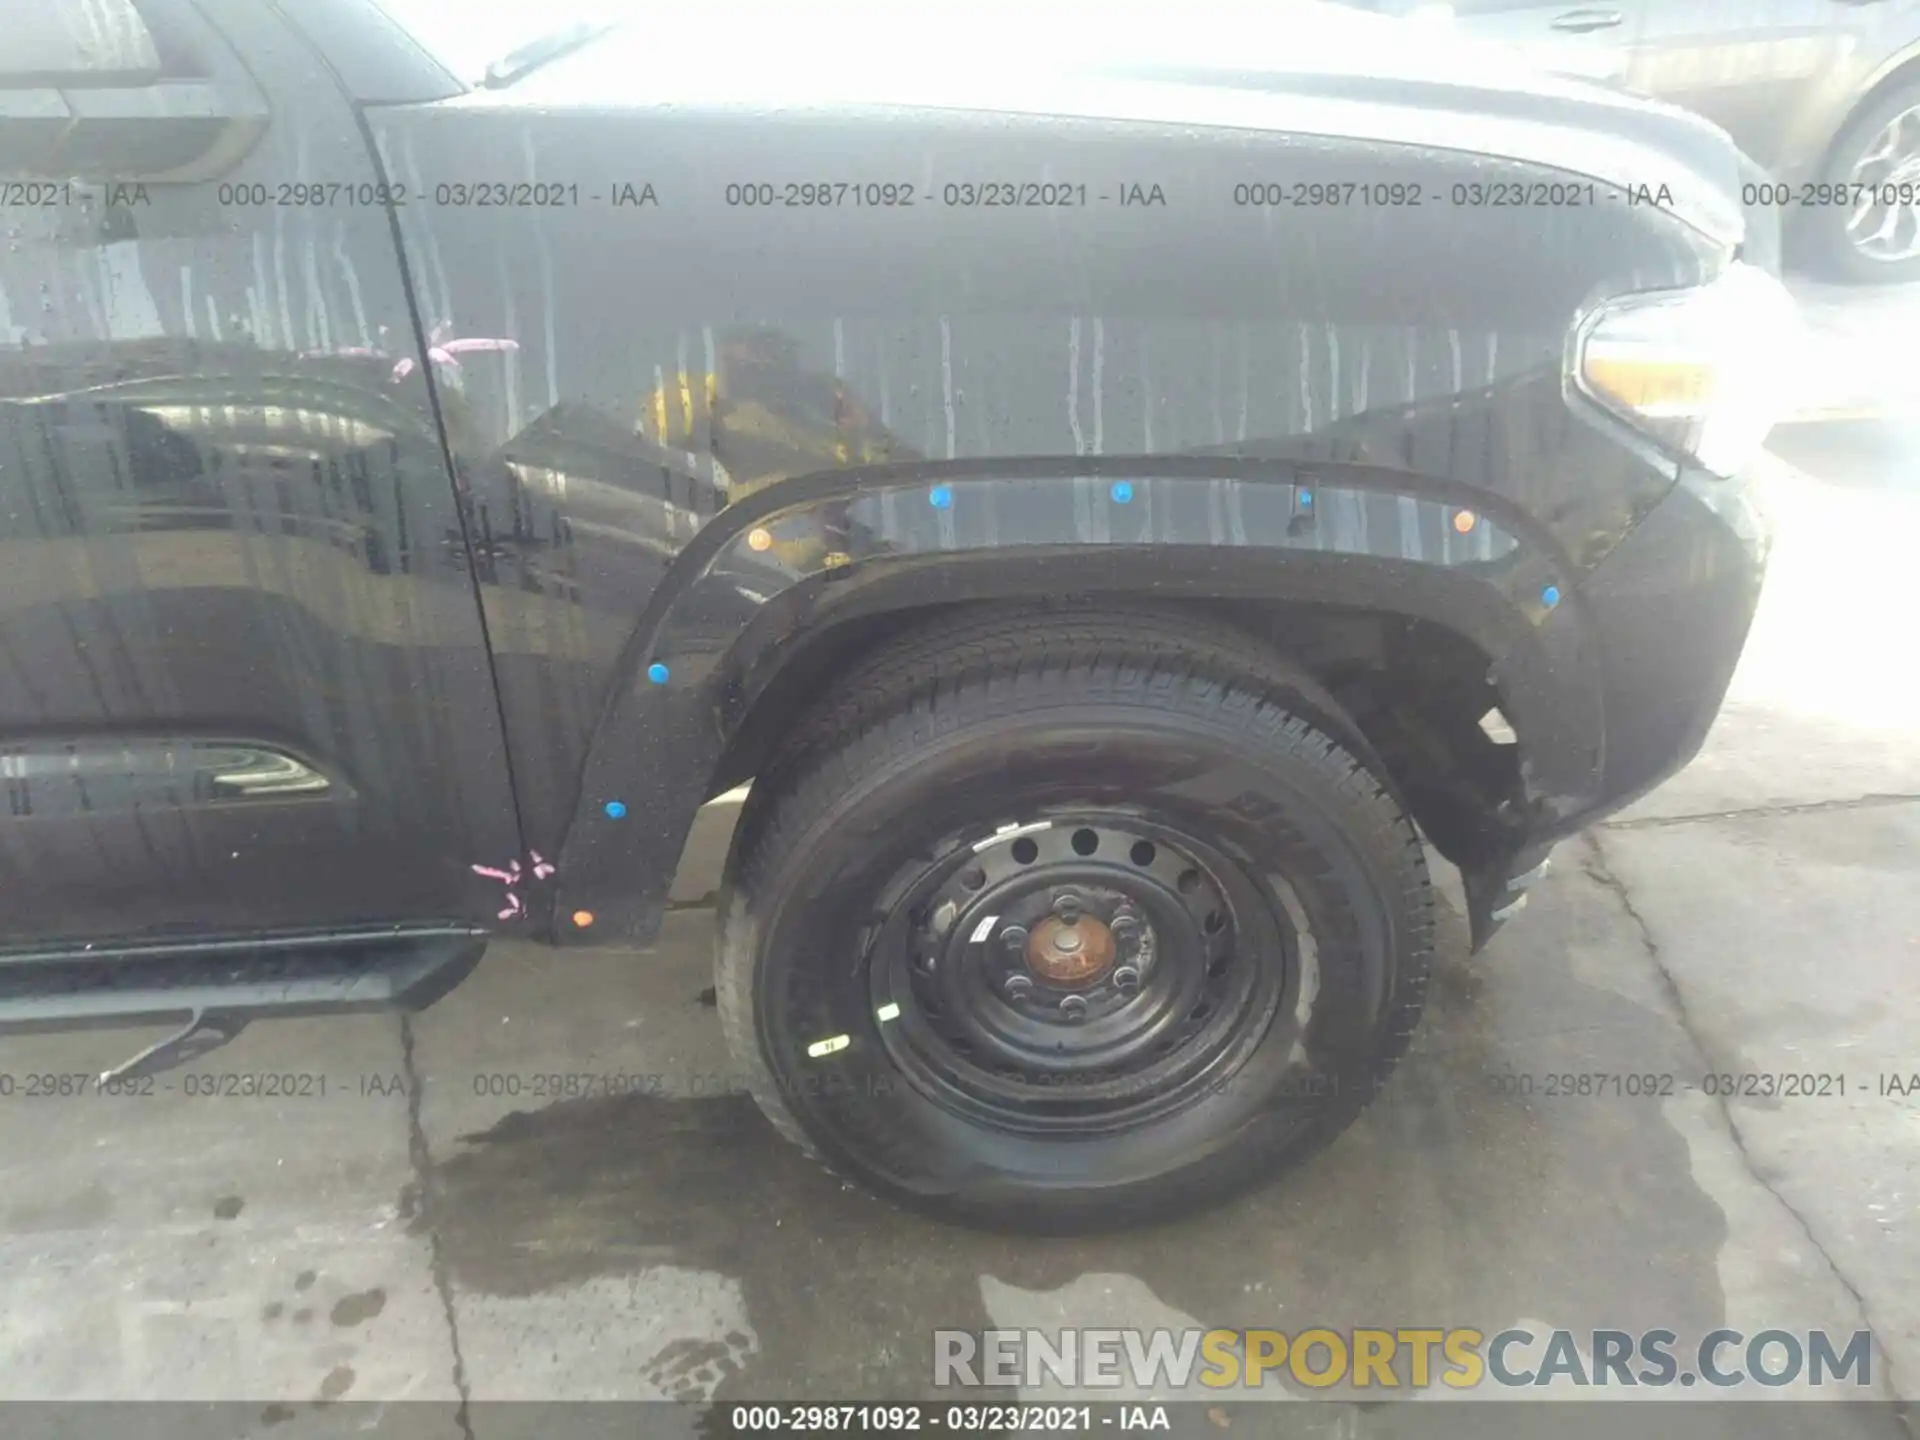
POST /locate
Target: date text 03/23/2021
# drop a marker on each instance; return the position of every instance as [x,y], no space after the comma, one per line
[972,1419]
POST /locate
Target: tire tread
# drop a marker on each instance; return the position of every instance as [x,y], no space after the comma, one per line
[928,684]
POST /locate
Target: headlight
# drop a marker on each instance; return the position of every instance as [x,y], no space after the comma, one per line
[1706,370]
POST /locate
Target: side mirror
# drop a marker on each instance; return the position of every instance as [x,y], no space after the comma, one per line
[86,93]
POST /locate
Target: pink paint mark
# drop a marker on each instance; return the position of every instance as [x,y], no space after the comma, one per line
[476,346]
[510,877]
[442,349]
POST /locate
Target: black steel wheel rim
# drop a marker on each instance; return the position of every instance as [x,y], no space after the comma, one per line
[1082,973]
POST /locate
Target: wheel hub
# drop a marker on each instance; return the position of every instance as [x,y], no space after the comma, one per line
[1081,970]
[1071,952]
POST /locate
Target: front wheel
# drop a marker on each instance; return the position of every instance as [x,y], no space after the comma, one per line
[1062,923]
[1872,235]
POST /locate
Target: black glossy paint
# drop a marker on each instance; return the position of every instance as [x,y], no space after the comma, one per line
[686,370]
[688,433]
[222,527]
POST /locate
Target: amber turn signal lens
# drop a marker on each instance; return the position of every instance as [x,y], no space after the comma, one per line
[1653,387]
[1705,370]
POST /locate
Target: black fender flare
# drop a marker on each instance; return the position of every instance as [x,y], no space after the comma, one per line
[773,571]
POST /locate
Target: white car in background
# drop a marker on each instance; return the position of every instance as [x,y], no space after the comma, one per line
[1824,93]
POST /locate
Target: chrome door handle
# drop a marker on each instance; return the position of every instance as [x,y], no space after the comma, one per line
[1579,22]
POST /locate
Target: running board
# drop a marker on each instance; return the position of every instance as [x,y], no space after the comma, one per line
[212,990]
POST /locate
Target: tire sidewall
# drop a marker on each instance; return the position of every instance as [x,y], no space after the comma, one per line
[1328,856]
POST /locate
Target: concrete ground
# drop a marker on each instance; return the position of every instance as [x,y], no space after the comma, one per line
[1855,362]
[449,1222]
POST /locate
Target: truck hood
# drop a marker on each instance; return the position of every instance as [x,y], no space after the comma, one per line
[1295,66]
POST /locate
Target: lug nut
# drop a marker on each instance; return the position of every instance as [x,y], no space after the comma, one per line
[1125,928]
[1074,1007]
[1126,977]
[1068,906]
[1013,937]
[1018,987]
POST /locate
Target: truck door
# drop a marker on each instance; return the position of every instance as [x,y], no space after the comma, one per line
[244,686]
[1751,66]
[1593,41]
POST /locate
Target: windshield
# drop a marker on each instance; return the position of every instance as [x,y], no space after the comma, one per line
[497,43]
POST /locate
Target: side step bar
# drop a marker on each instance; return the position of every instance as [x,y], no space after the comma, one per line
[213,989]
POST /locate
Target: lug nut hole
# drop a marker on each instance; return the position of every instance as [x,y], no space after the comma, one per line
[1214,923]
[1142,853]
[1085,842]
[1188,882]
[974,878]
[1025,851]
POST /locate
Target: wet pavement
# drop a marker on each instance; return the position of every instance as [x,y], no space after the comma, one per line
[548,1186]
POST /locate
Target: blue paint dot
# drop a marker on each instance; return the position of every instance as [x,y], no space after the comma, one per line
[1306,498]
[1122,492]
[1550,596]
[940,497]
[616,810]
[657,673]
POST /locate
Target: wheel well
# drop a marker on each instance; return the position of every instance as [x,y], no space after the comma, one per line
[1416,689]
[1907,72]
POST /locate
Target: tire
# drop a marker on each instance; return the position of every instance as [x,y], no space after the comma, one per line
[1827,248]
[1206,772]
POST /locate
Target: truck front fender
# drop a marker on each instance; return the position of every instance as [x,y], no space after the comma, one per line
[765,578]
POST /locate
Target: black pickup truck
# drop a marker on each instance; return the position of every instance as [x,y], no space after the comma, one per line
[1117,492]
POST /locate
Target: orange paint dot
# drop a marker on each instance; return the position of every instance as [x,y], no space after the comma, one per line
[1464,521]
[583,918]
[761,539]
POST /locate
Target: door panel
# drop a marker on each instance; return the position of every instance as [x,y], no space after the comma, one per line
[243,678]
[1777,75]
[1750,66]
[1594,41]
